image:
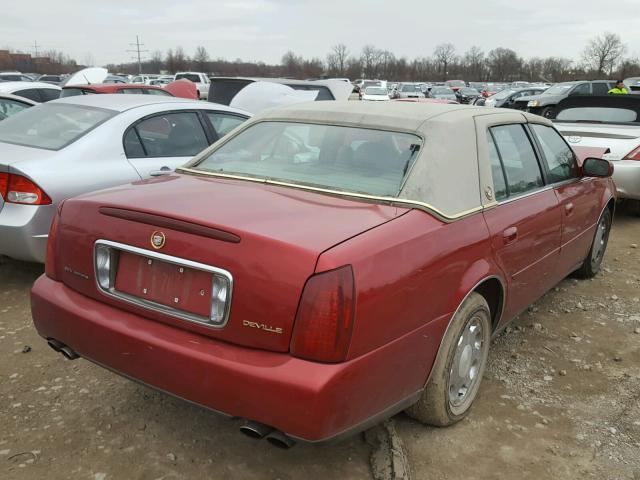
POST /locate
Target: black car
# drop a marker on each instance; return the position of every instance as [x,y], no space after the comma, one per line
[467,94]
[545,104]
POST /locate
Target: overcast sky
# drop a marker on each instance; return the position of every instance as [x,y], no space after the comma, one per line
[265,29]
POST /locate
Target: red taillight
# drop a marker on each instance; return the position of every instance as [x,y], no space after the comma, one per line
[50,260]
[633,154]
[324,322]
[4,184]
[18,189]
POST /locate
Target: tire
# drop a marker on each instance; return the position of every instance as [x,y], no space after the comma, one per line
[592,263]
[548,112]
[440,404]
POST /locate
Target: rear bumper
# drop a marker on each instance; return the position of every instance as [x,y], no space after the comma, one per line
[306,400]
[626,176]
[24,230]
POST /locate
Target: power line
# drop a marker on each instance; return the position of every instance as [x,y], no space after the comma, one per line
[35,48]
[138,52]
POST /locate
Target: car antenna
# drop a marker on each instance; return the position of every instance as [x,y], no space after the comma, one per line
[85,77]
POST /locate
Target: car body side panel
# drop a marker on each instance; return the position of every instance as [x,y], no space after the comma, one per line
[526,239]
[428,267]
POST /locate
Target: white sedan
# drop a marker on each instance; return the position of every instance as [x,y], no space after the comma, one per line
[80,144]
[375,94]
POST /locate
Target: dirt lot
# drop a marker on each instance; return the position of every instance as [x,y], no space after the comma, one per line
[561,400]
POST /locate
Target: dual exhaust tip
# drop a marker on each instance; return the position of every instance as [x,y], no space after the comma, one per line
[250,428]
[259,430]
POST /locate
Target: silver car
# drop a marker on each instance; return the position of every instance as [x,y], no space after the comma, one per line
[613,123]
[80,144]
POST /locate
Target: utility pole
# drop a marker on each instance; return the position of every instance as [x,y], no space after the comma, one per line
[138,52]
[35,48]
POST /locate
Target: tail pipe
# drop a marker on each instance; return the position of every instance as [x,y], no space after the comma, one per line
[255,429]
[280,440]
[62,348]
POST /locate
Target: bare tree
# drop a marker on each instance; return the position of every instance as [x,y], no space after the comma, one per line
[504,64]
[444,54]
[341,55]
[181,60]
[371,57]
[200,59]
[474,64]
[155,63]
[603,53]
[292,65]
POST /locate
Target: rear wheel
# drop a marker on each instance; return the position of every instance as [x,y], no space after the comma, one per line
[591,265]
[459,366]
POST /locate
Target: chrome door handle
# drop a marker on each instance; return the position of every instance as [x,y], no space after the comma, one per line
[162,171]
[568,208]
[510,235]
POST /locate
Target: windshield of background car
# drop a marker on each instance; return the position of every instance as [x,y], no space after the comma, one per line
[52,126]
[411,88]
[469,91]
[503,94]
[357,160]
[193,78]
[376,91]
[456,83]
[598,114]
[558,89]
[371,84]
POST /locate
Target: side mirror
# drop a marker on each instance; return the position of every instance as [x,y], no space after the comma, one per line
[597,167]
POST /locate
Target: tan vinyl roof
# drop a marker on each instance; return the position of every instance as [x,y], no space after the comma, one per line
[384,115]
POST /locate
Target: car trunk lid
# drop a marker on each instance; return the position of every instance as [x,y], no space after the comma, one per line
[268,239]
[619,139]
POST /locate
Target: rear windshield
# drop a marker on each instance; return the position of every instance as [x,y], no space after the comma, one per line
[357,160]
[597,114]
[559,89]
[375,91]
[52,126]
[189,76]
[73,92]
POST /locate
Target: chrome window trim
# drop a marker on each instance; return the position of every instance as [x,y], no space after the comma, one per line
[158,307]
[526,194]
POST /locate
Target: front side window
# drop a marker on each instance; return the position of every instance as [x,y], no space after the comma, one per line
[518,158]
[357,160]
[600,89]
[177,134]
[223,123]
[131,91]
[52,125]
[560,160]
[583,89]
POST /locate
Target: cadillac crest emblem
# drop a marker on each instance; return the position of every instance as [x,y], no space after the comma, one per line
[158,239]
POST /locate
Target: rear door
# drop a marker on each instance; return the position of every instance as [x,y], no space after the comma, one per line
[579,198]
[159,143]
[525,224]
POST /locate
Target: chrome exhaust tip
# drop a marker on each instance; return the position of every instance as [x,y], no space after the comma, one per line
[280,440]
[255,429]
[62,348]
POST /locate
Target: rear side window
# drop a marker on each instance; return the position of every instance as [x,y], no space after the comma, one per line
[30,93]
[72,92]
[223,123]
[177,134]
[10,107]
[497,171]
[518,157]
[49,94]
[131,91]
[559,158]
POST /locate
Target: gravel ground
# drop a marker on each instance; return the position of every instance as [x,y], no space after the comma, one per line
[561,399]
